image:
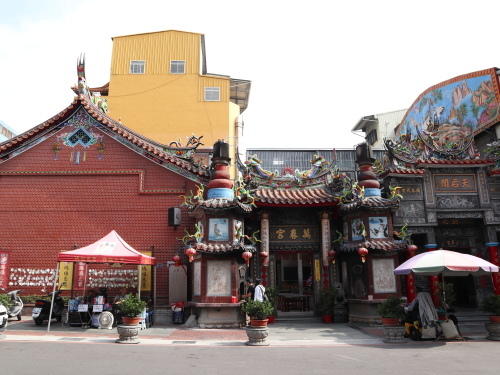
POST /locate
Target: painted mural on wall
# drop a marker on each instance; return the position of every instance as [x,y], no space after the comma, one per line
[469,101]
[442,122]
[378,227]
[218,229]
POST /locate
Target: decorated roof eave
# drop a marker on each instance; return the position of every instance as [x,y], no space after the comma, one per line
[383,245]
[454,163]
[260,204]
[392,172]
[370,203]
[150,149]
[216,205]
[223,248]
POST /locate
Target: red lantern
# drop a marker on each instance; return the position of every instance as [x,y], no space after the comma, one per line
[412,249]
[190,252]
[247,255]
[331,255]
[363,252]
[265,258]
[177,260]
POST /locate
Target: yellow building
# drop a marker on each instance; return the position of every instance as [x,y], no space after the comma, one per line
[160,88]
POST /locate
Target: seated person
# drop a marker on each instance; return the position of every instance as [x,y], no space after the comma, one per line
[120,296]
[91,296]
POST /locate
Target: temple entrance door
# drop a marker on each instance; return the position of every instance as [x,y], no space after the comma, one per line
[293,271]
[465,291]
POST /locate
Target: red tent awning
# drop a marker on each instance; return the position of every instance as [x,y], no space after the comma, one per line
[109,249]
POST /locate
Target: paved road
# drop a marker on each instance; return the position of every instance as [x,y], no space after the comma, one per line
[107,358]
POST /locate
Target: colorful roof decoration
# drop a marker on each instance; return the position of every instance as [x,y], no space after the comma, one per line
[88,111]
[440,126]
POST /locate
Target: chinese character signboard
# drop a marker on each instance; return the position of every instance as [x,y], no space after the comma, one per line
[145,275]
[66,276]
[293,233]
[459,183]
[4,267]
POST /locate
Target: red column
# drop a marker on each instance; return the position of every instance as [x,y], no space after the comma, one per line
[495,278]
[433,280]
[410,279]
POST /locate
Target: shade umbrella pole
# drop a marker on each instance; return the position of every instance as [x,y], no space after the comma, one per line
[53,293]
[139,279]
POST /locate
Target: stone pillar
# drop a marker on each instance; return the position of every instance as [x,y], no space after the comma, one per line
[264,242]
[300,275]
[493,252]
[433,280]
[325,246]
[410,279]
[325,236]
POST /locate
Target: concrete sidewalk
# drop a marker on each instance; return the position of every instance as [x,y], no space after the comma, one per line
[285,332]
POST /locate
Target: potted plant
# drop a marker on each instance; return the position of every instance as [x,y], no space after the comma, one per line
[257,311]
[272,297]
[132,307]
[491,304]
[326,303]
[391,310]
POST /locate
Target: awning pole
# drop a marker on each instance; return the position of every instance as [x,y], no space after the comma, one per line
[53,292]
[139,279]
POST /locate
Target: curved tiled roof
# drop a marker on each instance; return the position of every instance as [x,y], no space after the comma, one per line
[454,161]
[370,203]
[221,204]
[315,195]
[150,146]
[385,245]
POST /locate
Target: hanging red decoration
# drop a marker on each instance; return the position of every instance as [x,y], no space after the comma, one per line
[177,260]
[363,251]
[412,249]
[331,255]
[247,255]
[190,252]
[265,258]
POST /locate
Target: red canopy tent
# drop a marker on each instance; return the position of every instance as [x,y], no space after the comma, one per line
[109,249]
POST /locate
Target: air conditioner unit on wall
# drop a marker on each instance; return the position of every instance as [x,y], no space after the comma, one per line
[174,216]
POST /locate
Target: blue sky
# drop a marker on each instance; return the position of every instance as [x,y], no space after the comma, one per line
[316,68]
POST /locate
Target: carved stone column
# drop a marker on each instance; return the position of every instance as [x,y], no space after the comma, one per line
[325,238]
[264,244]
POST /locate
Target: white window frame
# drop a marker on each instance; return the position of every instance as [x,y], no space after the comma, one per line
[176,65]
[212,94]
[137,66]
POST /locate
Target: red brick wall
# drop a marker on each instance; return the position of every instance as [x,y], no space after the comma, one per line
[65,203]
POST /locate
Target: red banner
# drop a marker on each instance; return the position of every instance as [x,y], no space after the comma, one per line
[4,268]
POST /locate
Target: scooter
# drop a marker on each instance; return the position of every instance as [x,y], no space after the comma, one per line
[3,319]
[17,305]
[41,311]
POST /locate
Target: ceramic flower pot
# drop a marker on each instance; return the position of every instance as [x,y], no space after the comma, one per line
[259,322]
[131,321]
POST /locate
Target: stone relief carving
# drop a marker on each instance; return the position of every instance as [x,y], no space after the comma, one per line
[489,216]
[431,217]
[460,215]
[411,209]
[457,201]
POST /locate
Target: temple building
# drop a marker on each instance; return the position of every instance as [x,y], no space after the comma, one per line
[108,162]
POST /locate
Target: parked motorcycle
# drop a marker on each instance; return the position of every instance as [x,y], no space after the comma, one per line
[3,319]
[41,311]
[16,309]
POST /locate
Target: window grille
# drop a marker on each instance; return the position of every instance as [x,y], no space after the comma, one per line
[212,94]
[177,66]
[79,136]
[137,66]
